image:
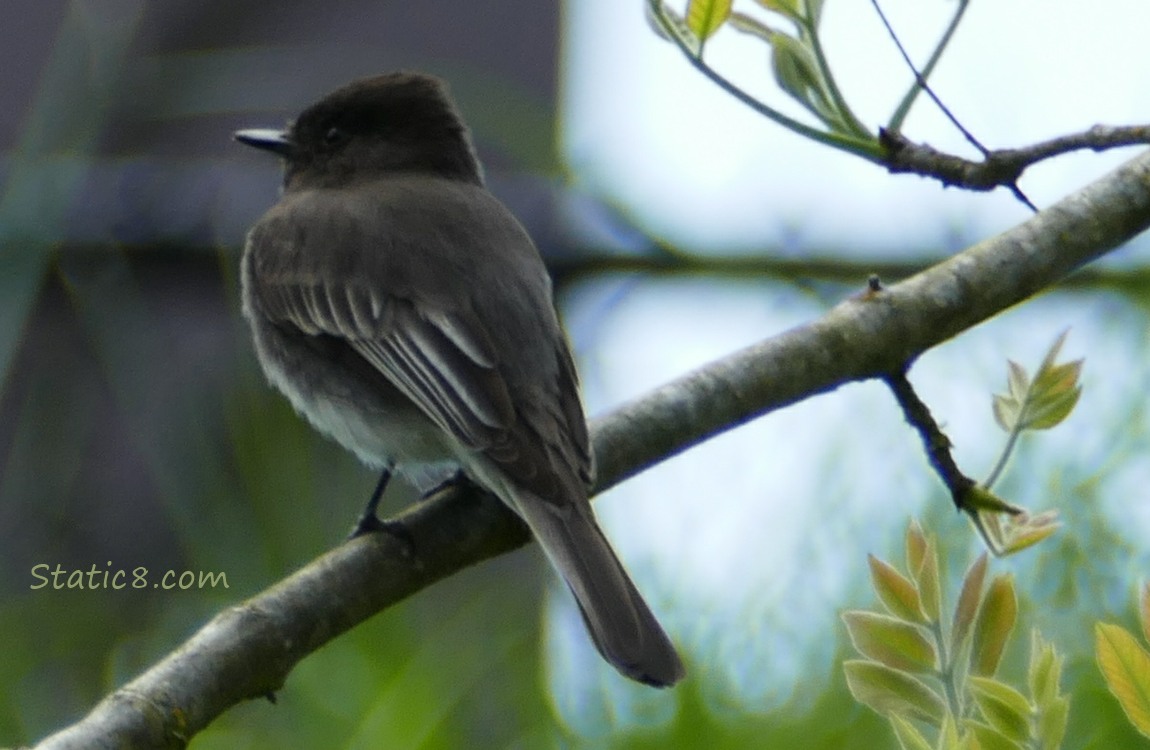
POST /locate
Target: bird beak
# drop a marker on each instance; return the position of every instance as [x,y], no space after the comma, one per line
[275,141]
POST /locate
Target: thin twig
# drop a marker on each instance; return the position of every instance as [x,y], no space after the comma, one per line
[935,441]
[938,447]
[920,80]
[907,102]
[1001,167]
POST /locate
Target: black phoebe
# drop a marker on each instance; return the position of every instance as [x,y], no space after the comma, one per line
[406,313]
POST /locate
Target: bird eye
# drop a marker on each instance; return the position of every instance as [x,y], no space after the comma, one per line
[334,137]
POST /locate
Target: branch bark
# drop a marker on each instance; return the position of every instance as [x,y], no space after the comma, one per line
[999,167]
[248,650]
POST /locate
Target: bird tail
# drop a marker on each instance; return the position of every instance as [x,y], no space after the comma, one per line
[620,623]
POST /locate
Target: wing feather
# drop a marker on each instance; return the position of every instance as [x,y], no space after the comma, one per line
[447,370]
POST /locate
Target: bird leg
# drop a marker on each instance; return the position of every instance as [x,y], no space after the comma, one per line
[370,523]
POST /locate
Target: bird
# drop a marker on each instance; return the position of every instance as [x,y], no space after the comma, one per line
[407,314]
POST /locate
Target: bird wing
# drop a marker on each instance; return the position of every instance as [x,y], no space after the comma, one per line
[435,358]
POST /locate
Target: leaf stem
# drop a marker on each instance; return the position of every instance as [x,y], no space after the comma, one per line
[1003,457]
[946,671]
[840,102]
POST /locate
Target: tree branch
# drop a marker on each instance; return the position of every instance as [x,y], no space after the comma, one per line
[999,167]
[934,441]
[247,651]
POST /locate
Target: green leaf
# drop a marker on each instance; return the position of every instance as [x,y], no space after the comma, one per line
[891,641]
[990,738]
[1049,408]
[888,691]
[1052,724]
[1043,402]
[1043,676]
[670,25]
[1017,380]
[1053,351]
[1058,378]
[797,73]
[658,15]
[1010,532]
[897,593]
[792,9]
[1126,667]
[969,742]
[968,601]
[908,737]
[948,734]
[929,588]
[748,25]
[1025,531]
[1044,672]
[915,547]
[704,17]
[992,628]
[1005,708]
[1005,411]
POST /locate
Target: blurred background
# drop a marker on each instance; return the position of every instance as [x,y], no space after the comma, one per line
[136,429]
